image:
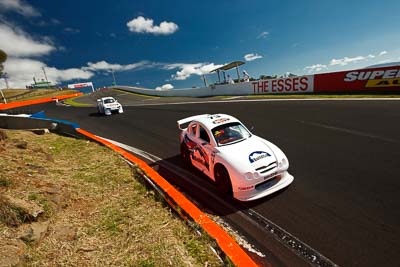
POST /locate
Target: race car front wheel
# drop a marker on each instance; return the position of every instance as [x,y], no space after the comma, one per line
[223,180]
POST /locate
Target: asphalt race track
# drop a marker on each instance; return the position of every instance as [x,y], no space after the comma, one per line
[344,155]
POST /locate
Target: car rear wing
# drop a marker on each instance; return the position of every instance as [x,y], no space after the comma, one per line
[188,120]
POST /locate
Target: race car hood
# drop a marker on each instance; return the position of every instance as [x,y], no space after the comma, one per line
[248,154]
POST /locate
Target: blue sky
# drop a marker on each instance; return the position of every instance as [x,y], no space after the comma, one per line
[169,44]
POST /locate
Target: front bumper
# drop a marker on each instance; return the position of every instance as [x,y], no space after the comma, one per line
[109,110]
[267,188]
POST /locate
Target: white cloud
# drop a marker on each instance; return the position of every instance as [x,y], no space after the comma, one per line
[263,35]
[167,86]
[385,61]
[18,43]
[186,70]
[55,21]
[22,70]
[72,30]
[252,56]
[143,25]
[349,60]
[316,67]
[346,60]
[105,66]
[18,6]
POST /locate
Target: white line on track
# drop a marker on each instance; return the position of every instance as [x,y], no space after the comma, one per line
[233,97]
[350,131]
[149,99]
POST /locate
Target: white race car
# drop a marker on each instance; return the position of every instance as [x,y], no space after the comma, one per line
[241,163]
[108,105]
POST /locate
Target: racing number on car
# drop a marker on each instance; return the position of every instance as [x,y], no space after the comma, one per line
[197,153]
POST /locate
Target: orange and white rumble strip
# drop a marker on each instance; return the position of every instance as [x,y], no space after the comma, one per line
[227,244]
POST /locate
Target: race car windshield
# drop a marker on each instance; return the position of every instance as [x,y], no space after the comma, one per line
[230,133]
[107,101]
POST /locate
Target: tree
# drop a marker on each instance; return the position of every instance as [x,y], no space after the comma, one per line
[3,58]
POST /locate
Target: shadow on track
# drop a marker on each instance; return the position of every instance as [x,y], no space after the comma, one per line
[96,114]
[201,189]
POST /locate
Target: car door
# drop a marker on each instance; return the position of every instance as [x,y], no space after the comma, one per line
[202,153]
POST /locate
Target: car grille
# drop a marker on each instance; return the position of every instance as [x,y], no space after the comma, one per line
[268,183]
[264,169]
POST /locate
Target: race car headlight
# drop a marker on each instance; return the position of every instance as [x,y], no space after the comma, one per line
[252,176]
[257,175]
[283,164]
[249,176]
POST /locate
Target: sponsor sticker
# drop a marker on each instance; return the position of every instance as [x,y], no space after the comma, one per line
[220,120]
[372,75]
[245,188]
[383,83]
[257,155]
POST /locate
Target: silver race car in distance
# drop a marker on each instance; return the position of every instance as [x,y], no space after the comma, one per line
[108,105]
[241,164]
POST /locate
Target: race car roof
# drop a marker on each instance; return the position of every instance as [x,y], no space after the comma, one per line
[106,97]
[211,121]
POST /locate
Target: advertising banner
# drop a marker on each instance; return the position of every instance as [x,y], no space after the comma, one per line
[300,84]
[371,79]
[80,85]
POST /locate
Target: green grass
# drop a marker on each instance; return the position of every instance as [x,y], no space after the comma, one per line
[5,182]
[11,215]
[16,95]
[73,102]
[89,187]
[137,94]
[111,220]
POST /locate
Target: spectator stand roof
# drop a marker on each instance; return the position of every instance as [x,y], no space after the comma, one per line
[224,68]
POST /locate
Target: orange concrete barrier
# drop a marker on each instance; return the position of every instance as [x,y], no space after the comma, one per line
[227,244]
[37,101]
